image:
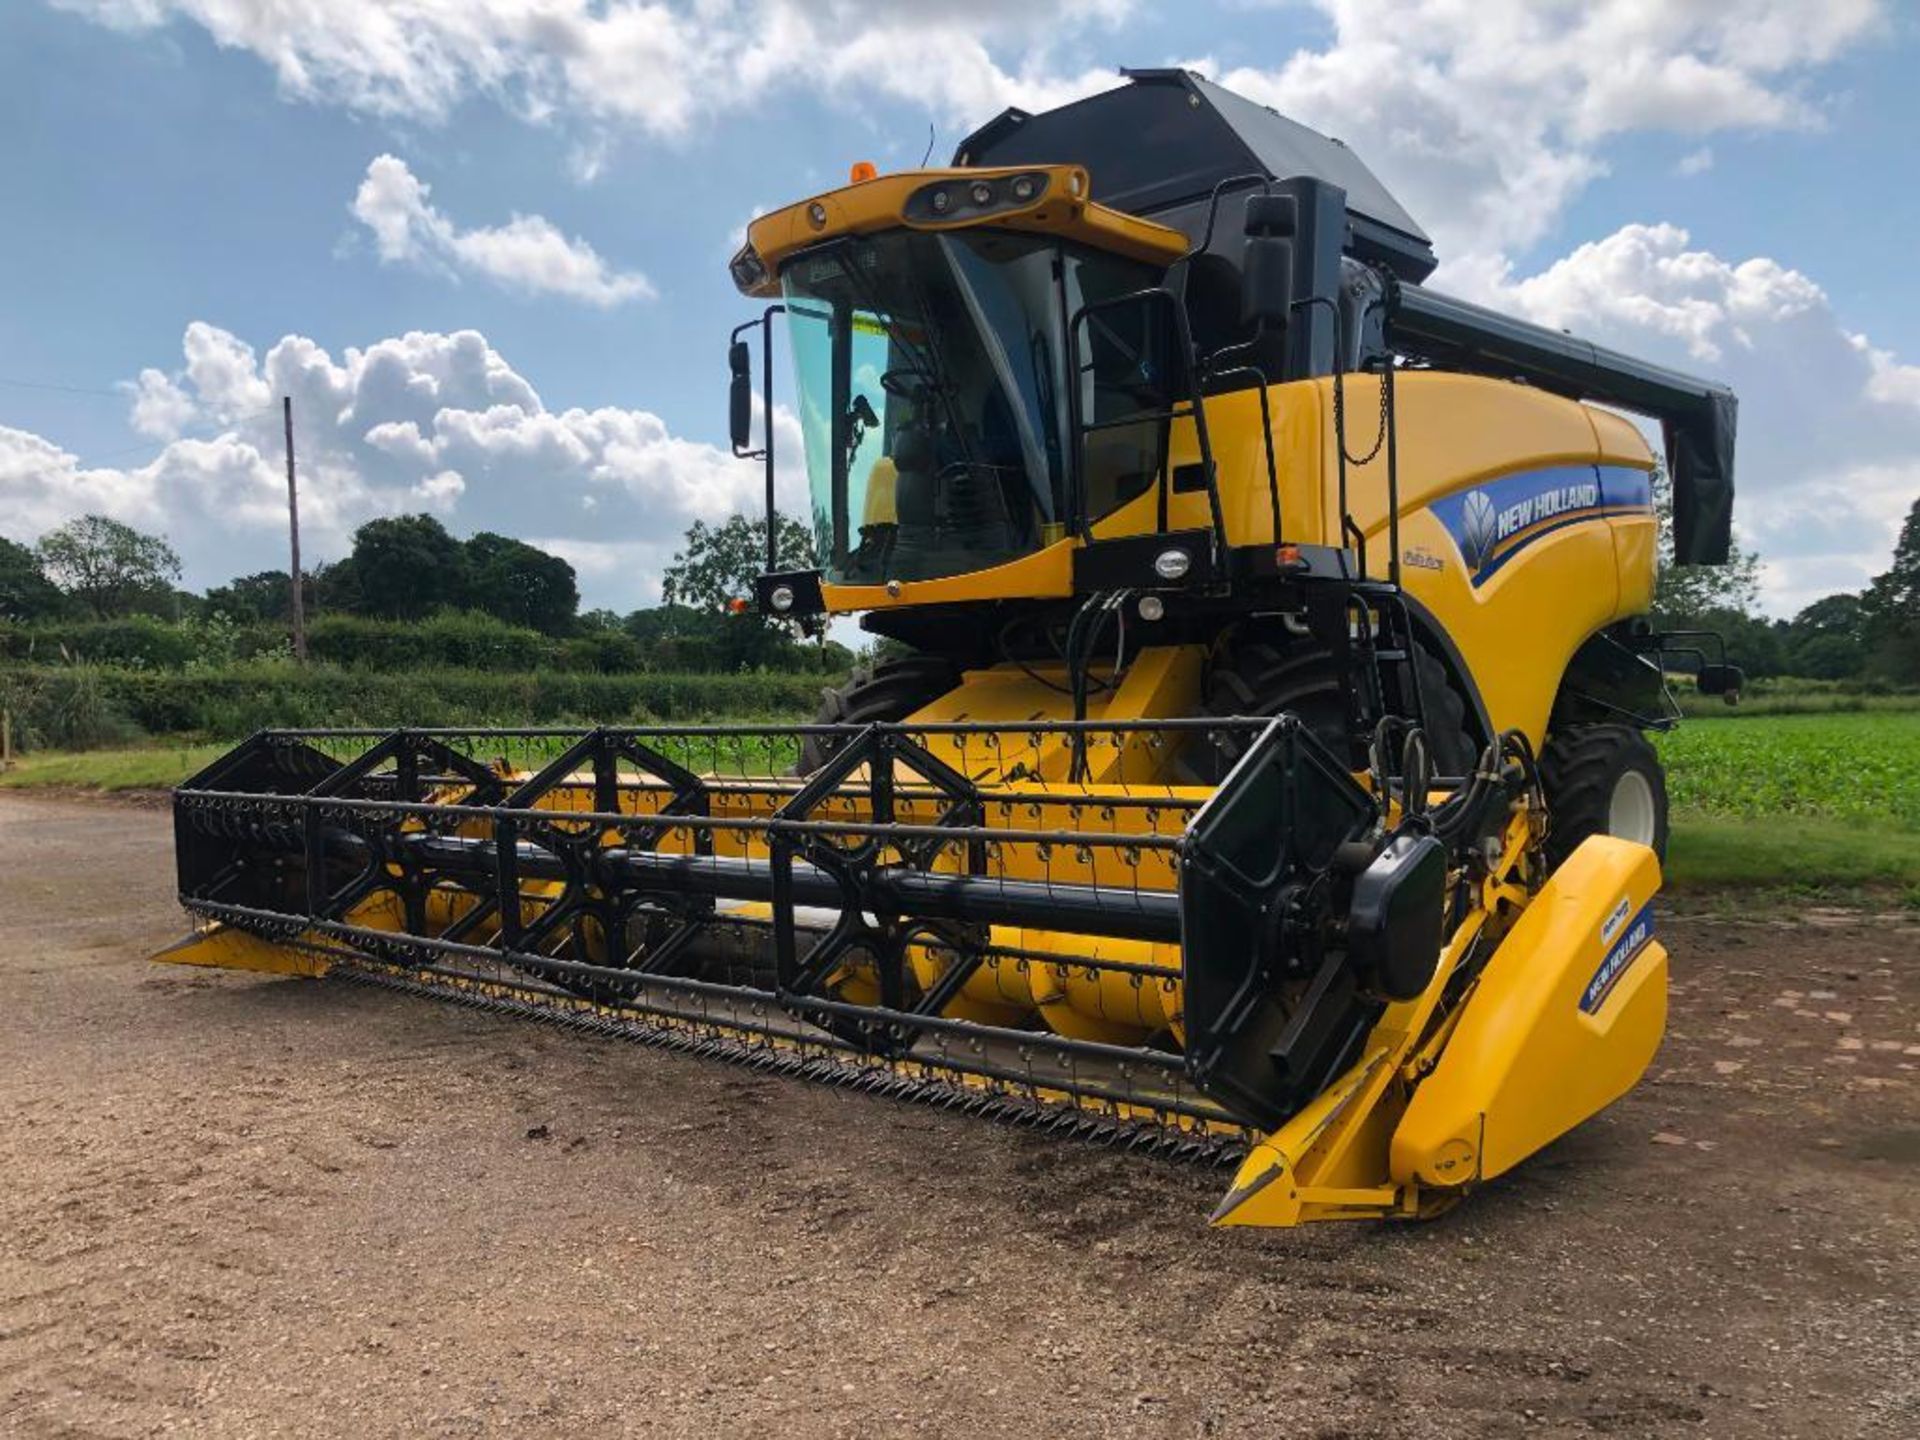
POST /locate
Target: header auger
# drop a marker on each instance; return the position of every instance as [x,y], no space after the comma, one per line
[1260,774]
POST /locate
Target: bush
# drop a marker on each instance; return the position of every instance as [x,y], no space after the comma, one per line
[72,708]
[450,640]
[136,640]
[76,707]
[142,642]
[603,652]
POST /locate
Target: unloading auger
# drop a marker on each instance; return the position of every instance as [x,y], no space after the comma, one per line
[1259,775]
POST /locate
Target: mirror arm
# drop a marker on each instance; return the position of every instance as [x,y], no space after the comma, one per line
[765,453]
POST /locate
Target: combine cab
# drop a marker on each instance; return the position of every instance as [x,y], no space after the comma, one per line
[1265,784]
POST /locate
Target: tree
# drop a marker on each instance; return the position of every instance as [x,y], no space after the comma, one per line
[109,568]
[1825,640]
[335,587]
[1685,594]
[1890,608]
[716,568]
[408,566]
[520,584]
[265,596]
[25,592]
[718,563]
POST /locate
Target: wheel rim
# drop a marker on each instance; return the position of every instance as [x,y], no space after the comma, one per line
[1631,814]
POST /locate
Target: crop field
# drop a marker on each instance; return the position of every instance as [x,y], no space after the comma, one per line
[1861,766]
[1796,802]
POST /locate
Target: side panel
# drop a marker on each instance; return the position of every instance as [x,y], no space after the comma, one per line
[1510,512]
[1635,536]
[1562,1022]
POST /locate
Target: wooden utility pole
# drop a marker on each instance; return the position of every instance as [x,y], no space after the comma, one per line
[293,532]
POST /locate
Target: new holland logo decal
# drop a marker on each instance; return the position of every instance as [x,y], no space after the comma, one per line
[1493,522]
[1479,528]
[1620,954]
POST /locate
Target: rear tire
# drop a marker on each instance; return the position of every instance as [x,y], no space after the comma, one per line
[1602,780]
[889,691]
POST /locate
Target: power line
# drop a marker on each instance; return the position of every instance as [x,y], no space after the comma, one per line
[62,389]
[92,460]
[156,446]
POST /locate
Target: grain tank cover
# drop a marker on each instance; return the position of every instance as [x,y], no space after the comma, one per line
[1162,142]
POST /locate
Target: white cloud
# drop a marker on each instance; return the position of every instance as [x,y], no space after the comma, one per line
[1890,381]
[657,66]
[161,409]
[1829,447]
[1694,162]
[440,491]
[1487,118]
[414,422]
[528,253]
[224,373]
[1645,277]
[42,485]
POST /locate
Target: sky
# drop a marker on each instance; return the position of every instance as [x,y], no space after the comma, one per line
[483,243]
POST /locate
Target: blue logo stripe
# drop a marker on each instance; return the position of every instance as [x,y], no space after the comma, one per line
[1619,959]
[1495,520]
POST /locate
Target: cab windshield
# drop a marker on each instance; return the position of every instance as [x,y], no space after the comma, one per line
[931,372]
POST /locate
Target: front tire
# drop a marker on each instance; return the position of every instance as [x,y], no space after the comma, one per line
[1603,780]
[889,691]
[1261,679]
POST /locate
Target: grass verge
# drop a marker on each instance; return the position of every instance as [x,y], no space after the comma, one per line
[1791,854]
[151,767]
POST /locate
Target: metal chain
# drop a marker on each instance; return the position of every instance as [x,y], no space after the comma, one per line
[1340,420]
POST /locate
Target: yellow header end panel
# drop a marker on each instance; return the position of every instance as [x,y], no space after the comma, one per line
[1561,1023]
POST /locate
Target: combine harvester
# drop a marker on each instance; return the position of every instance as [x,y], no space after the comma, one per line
[1266,778]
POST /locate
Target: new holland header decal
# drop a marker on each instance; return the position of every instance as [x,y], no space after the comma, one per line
[1496,520]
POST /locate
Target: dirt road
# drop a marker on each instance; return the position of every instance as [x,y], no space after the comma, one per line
[240,1207]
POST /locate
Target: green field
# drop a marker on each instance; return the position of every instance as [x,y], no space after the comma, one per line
[1796,802]
[1862,767]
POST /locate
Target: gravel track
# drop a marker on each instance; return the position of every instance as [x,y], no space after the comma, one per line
[237,1206]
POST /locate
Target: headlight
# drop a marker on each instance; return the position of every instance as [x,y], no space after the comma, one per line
[946,200]
[748,270]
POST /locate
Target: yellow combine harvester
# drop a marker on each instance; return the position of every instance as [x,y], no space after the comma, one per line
[1265,775]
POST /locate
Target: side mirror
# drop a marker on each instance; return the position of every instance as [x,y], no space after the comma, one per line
[1266,272]
[1722,680]
[740,396]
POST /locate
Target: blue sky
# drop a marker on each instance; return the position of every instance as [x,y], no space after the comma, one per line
[197,191]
